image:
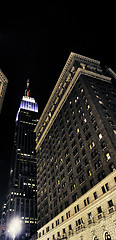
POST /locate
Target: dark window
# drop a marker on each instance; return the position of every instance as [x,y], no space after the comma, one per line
[85,129]
[112,167]
[73,144]
[86,161]
[76,208]
[66,204]
[115,179]
[83,152]
[68,215]
[88,136]
[77,160]
[69,168]
[74,197]
[67,160]
[81,179]
[75,151]
[92,183]
[98,164]
[79,222]
[95,195]
[57,222]
[107,186]
[101,175]
[99,209]
[103,189]
[47,229]
[70,227]
[110,203]
[94,153]
[79,169]
[84,190]
[71,178]
[103,145]
[90,215]
[96,127]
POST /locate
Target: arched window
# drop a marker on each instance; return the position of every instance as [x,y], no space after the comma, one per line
[106,235]
[95,238]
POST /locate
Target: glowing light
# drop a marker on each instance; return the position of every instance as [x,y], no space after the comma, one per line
[15,227]
[27,103]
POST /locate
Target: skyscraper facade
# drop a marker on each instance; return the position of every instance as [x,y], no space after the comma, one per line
[3,86]
[21,200]
[75,137]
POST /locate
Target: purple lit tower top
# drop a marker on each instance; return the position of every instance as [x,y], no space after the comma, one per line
[27,102]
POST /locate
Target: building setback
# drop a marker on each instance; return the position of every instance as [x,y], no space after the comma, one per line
[21,199]
[75,136]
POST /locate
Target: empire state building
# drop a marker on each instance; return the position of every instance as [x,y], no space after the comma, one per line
[21,200]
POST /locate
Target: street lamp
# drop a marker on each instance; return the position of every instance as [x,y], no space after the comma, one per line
[14,227]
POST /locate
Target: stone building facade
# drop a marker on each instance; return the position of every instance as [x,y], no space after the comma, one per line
[92,216]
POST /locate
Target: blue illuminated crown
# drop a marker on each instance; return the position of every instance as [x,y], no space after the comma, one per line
[27,102]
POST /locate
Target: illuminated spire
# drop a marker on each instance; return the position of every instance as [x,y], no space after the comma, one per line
[27,83]
[27,91]
[27,102]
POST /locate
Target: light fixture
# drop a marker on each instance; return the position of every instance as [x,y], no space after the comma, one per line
[14,227]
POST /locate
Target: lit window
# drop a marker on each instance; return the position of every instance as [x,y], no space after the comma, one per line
[85,120]
[89,173]
[100,102]
[88,106]
[97,96]
[108,156]
[91,145]
[114,131]
[76,99]
[82,90]
[77,130]
[100,136]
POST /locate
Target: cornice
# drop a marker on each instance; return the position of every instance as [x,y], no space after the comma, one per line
[72,57]
[79,72]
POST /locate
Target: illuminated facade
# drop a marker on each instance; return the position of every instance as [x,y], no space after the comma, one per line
[3,86]
[21,200]
[92,216]
[75,137]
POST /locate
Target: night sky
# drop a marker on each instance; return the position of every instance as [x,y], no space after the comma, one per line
[35,42]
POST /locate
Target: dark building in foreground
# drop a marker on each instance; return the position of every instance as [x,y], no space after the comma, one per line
[21,200]
[75,136]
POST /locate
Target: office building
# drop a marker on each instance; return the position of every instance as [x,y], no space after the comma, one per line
[75,137]
[3,86]
[21,199]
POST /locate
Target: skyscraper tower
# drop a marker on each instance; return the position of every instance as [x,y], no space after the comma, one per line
[76,145]
[21,200]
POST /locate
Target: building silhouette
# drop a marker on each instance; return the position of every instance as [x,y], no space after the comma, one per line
[21,198]
[75,143]
[3,86]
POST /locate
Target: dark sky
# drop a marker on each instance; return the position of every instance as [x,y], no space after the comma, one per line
[35,42]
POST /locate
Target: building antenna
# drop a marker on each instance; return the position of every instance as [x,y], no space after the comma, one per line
[27,91]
